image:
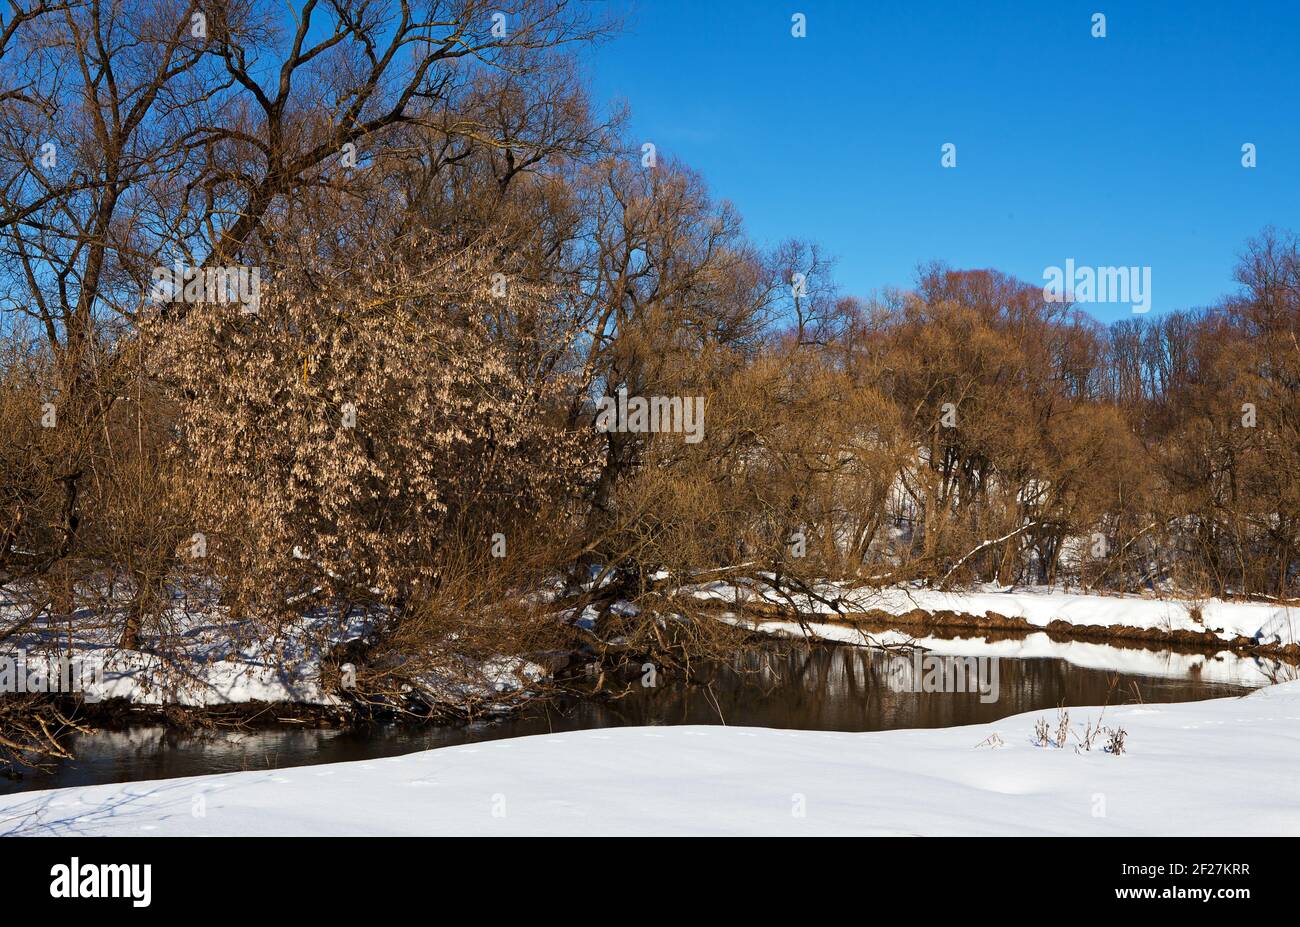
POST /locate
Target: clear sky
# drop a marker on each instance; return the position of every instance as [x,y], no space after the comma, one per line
[1123,150]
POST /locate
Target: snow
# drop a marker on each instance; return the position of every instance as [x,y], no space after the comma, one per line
[1039,606]
[1228,766]
[205,661]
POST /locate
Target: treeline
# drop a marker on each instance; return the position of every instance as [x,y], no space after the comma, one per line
[413,257]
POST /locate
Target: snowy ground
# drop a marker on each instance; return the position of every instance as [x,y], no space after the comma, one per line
[1229,766]
[208,660]
[205,661]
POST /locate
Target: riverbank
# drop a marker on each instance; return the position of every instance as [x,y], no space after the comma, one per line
[1264,628]
[204,664]
[1218,767]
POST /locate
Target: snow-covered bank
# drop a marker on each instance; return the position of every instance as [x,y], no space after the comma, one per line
[208,660]
[1040,607]
[1228,766]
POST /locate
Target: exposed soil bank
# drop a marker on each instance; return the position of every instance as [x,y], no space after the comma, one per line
[937,622]
[1067,631]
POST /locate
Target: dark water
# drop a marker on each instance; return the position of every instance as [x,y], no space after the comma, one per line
[786,685]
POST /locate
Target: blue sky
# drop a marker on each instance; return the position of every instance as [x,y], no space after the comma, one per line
[1123,150]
